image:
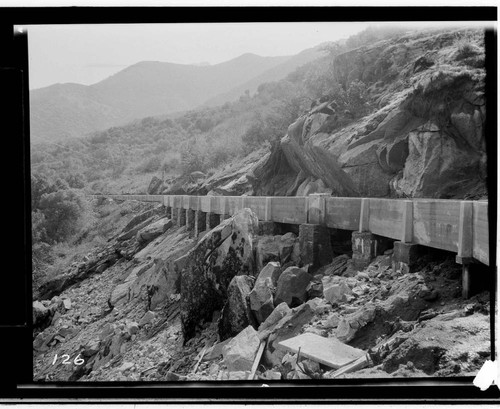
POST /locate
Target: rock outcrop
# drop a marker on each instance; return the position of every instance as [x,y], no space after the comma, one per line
[423,135]
[206,271]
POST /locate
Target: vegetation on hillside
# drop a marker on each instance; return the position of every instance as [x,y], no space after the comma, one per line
[199,140]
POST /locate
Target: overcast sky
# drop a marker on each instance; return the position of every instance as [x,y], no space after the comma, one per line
[86,54]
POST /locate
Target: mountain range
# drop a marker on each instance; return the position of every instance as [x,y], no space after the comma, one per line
[151,88]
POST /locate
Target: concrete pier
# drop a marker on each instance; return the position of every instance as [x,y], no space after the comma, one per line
[315,246]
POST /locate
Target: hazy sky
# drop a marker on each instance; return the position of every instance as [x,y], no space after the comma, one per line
[86,54]
[89,53]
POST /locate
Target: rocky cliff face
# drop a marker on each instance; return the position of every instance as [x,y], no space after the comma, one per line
[422,135]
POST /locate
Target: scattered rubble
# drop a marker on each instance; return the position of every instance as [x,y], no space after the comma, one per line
[132,322]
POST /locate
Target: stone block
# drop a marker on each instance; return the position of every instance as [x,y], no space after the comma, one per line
[364,249]
[405,256]
[315,246]
[326,351]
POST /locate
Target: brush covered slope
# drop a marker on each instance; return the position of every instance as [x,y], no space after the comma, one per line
[404,117]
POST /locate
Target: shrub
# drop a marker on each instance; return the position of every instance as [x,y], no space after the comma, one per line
[65,213]
[151,164]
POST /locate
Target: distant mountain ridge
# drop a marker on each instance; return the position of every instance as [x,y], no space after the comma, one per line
[275,73]
[149,88]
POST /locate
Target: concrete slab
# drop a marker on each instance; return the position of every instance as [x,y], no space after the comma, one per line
[327,351]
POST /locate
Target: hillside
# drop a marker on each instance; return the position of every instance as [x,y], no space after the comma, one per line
[273,74]
[137,293]
[147,88]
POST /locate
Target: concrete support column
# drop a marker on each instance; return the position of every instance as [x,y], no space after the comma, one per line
[212,220]
[200,222]
[314,244]
[175,216]
[190,221]
[364,248]
[405,256]
[181,217]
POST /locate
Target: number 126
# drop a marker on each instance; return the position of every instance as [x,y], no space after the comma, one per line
[66,360]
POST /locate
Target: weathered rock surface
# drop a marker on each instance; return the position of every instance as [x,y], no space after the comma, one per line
[208,268]
[418,114]
[236,314]
[240,352]
[261,299]
[292,287]
[335,290]
[153,230]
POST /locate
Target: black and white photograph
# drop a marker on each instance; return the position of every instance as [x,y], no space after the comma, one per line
[269,202]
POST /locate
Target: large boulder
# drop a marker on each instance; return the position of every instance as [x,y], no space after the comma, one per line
[206,271]
[155,186]
[261,299]
[236,314]
[290,325]
[267,250]
[41,315]
[272,271]
[289,248]
[240,352]
[436,164]
[335,289]
[128,233]
[292,287]
[153,230]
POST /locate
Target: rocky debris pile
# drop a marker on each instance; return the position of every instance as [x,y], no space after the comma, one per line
[136,234]
[258,324]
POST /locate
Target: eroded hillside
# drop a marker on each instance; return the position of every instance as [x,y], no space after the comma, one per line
[407,121]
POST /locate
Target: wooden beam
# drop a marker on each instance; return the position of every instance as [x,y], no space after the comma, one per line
[465,230]
[364,217]
[268,213]
[407,233]
[356,365]
[257,359]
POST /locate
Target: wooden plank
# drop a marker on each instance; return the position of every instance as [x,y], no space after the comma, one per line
[257,204]
[233,203]
[256,362]
[223,205]
[204,203]
[435,223]
[364,216]
[358,364]
[194,202]
[317,208]
[465,230]
[386,218]
[342,212]
[480,233]
[268,209]
[289,210]
[407,231]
